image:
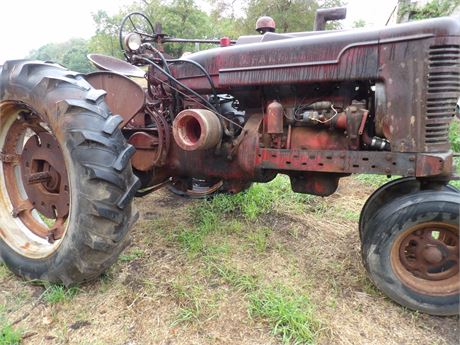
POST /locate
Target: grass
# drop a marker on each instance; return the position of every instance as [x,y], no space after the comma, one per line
[55,293]
[240,281]
[133,254]
[8,335]
[375,180]
[195,304]
[232,213]
[291,315]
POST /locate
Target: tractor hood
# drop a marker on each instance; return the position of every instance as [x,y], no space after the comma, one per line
[310,56]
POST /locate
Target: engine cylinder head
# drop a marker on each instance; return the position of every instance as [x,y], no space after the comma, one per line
[197,129]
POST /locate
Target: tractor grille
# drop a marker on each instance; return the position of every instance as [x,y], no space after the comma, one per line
[443,92]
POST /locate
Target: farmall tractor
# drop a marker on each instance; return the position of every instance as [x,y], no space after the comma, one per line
[316,106]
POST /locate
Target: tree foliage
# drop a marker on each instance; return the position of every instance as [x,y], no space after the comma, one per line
[71,54]
[433,9]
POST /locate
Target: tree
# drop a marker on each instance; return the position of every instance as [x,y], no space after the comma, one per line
[71,54]
[105,41]
[435,8]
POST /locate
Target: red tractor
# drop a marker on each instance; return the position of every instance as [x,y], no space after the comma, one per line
[316,106]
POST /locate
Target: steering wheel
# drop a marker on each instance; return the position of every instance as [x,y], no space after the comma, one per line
[135,22]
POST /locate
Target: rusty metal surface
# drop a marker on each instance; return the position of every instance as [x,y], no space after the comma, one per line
[426,258]
[265,24]
[197,129]
[146,153]
[274,118]
[42,184]
[399,130]
[109,63]
[331,56]
[116,87]
[341,161]
[41,155]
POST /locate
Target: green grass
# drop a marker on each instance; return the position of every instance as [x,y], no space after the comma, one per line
[232,213]
[8,335]
[260,199]
[291,315]
[195,302]
[258,239]
[234,278]
[133,254]
[55,293]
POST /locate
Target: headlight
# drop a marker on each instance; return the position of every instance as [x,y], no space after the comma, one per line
[133,41]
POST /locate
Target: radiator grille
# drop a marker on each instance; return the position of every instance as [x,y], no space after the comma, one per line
[443,92]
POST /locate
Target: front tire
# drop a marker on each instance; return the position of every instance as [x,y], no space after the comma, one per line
[411,251]
[66,184]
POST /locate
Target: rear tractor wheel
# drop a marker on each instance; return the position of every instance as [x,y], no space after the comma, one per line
[66,184]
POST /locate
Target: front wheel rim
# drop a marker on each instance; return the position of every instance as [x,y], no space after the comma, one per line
[34,186]
[425,258]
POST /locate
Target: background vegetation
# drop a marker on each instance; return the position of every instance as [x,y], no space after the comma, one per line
[185,19]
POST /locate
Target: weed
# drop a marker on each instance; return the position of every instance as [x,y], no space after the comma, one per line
[291,315]
[133,254]
[56,293]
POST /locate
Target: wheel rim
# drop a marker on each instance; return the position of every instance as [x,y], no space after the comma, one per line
[34,185]
[425,257]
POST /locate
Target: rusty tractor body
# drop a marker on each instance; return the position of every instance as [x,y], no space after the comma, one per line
[316,106]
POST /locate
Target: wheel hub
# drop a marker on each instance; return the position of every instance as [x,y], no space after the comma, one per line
[432,255]
[44,175]
[34,172]
[426,257]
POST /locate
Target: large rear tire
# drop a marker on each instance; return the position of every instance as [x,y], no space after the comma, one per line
[66,183]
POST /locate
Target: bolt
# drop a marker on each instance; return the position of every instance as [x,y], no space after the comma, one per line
[410,171]
[411,158]
[388,157]
[387,170]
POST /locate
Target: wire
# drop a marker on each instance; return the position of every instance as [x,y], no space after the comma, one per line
[329,119]
[196,64]
[171,78]
[194,100]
